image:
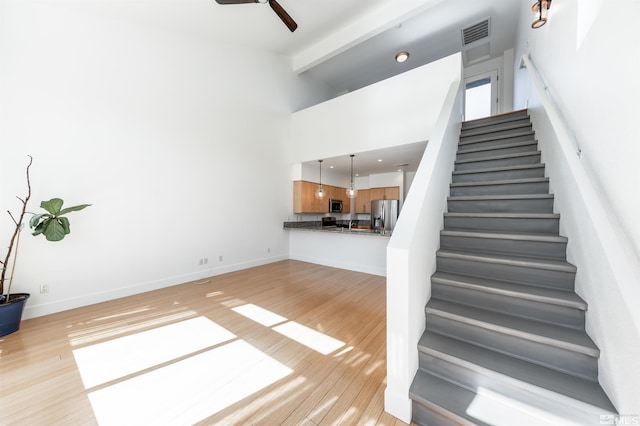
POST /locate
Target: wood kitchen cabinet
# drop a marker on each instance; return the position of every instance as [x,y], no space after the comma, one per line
[386,193]
[304,198]
[305,201]
[363,201]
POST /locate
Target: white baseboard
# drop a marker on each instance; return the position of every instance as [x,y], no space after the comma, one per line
[33,311]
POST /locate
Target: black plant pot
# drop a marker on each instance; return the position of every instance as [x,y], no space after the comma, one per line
[11,313]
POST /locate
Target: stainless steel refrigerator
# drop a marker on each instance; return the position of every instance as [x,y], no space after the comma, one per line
[384,214]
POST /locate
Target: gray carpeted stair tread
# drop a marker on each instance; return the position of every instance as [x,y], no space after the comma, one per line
[504,235]
[449,401]
[499,197]
[500,169]
[495,138]
[496,119]
[488,362]
[507,215]
[493,148]
[499,182]
[522,291]
[498,157]
[552,335]
[528,262]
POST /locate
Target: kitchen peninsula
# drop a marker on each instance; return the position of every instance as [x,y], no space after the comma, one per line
[356,249]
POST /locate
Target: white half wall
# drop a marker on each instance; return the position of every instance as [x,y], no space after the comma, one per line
[397,111]
[411,253]
[361,253]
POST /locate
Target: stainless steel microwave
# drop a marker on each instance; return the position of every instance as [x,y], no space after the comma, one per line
[335,206]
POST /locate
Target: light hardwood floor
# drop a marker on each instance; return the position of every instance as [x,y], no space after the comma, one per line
[237,349]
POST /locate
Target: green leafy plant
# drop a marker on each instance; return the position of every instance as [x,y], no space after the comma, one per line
[53,225]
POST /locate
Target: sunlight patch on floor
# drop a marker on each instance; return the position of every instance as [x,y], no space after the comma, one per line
[304,335]
[309,337]
[267,403]
[111,330]
[344,351]
[103,362]
[259,315]
[501,410]
[190,390]
[121,314]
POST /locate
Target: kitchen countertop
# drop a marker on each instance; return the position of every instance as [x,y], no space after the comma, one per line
[316,226]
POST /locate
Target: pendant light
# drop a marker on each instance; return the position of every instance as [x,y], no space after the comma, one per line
[352,192]
[320,191]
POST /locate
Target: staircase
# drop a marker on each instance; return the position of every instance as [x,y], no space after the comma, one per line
[505,342]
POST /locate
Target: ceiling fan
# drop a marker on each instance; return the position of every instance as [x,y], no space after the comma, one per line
[288,21]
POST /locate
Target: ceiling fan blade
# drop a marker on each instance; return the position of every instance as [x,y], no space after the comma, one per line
[288,21]
[234,1]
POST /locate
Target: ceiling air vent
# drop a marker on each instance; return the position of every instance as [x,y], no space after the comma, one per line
[475,32]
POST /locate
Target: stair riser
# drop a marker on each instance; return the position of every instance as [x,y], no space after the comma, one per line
[497,134]
[526,226]
[423,415]
[496,119]
[472,379]
[497,151]
[513,273]
[503,125]
[551,313]
[501,189]
[542,249]
[535,172]
[528,205]
[560,359]
[496,142]
[499,162]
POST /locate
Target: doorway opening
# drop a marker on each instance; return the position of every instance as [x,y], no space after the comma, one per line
[481,95]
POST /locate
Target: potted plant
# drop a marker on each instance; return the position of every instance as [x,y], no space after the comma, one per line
[54,226]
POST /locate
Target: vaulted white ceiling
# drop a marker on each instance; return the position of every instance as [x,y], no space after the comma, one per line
[346,43]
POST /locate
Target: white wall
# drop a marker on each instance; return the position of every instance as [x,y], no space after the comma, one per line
[393,112]
[181,147]
[590,70]
[311,172]
[588,55]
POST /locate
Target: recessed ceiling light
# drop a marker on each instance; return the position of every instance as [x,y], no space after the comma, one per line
[380,160]
[331,167]
[402,56]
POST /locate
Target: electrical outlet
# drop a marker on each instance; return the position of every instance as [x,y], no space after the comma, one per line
[268,249]
[205,260]
[200,262]
[44,288]
[220,258]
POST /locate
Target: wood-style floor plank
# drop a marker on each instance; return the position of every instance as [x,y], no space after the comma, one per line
[41,382]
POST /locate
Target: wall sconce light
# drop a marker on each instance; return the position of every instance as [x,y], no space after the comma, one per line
[320,190]
[540,9]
